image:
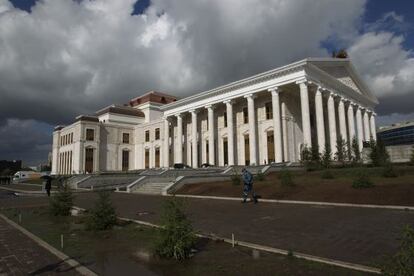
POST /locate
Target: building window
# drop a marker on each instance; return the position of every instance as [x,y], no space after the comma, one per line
[269,111]
[245,115]
[125,138]
[90,134]
[225,119]
[157,134]
[147,136]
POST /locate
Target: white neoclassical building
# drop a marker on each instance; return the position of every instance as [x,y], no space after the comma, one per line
[262,119]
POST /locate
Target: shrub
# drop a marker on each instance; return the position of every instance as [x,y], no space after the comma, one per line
[103,215]
[327,174]
[61,202]
[311,158]
[355,152]
[389,171]
[379,155]
[327,157]
[235,179]
[286,178]
[341,151]
[402,263]
[176,236]
[260,176]
[362,181]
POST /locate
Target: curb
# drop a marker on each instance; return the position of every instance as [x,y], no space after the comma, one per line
[393,207]
[71,262]
[269,249]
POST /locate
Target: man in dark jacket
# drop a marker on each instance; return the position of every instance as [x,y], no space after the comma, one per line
[48,185]
[248,186]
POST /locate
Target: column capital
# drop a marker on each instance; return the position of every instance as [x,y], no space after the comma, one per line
[274,90]
[230,102]
[166,118]
[303,81]
[179,115]
[210,106]
[250,96]
[194,111]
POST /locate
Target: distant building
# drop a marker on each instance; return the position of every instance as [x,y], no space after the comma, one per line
[399,140]
[266,118]
[12,166]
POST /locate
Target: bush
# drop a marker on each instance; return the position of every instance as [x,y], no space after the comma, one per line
[389,171]
[327,156]
[341,151]
[286,178]
[355,152]
[235,179]
[402,263]
[327,174]
[61,202]
[176,236]
[260,176]
[362,181]
[103,215]
[378,155]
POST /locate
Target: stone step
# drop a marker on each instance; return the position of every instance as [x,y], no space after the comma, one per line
[151,188]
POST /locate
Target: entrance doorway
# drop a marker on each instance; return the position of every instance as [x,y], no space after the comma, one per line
[226,151]
[89,160]
[125,160]
[270,147]
[246,150]
[147,157]
[157,157]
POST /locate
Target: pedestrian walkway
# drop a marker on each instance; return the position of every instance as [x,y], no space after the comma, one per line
[19,255]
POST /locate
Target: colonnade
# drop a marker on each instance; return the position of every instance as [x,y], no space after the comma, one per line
[342,116]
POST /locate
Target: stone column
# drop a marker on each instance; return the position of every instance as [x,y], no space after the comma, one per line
[342,120]
[194,138]
[284,133]
[277,130]
[367,134]
[373,128]
[166,157]
[179,146]
[211,147]
[332,123]
[304,103]
[230,132]
[351,122]
[252,129]
[320,122]
[360,132]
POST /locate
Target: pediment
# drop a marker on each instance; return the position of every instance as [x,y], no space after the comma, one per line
[343,71]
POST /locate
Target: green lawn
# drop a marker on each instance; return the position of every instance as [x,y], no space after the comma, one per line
[126,250]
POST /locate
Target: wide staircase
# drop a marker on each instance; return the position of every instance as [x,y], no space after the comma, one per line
[154,188]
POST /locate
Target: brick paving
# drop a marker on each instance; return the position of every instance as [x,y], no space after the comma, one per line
[359,235]
[19,255]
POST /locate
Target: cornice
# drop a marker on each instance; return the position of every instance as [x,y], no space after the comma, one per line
[263,77]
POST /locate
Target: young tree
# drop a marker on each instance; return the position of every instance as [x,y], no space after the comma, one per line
[103,215]
[327,156]
[341,150]
[176,236]
[306,157]
[356,153]
[61,202]
[379,155]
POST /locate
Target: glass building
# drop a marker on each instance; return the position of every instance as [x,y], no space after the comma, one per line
[401,134]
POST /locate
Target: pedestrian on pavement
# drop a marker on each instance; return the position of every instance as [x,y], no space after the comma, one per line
[48,185]
[248,186]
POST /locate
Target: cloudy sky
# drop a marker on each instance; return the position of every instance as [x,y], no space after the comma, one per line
[61,58]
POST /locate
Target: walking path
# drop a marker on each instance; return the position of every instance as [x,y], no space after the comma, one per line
[350,234]
[20,255]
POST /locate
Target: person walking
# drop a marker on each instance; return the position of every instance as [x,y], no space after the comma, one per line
[248,186]
[48,185]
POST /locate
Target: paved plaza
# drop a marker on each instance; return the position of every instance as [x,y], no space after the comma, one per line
[19,255]
[359,235]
